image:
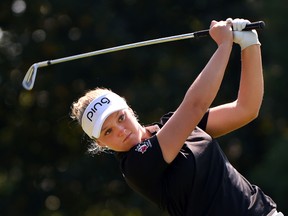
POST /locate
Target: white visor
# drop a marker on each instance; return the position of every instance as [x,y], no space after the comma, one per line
[98,110]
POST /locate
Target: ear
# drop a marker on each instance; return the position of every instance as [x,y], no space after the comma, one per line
[101,144]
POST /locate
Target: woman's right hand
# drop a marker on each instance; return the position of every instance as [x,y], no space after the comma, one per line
[221,32]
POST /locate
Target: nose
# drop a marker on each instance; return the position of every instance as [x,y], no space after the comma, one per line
[122,131]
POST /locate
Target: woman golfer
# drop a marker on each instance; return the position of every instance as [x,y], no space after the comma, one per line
[176,163]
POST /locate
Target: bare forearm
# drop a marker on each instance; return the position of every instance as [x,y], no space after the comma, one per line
[231,116]
[251,88]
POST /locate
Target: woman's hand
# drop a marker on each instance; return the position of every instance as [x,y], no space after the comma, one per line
[243,38]
[221,32]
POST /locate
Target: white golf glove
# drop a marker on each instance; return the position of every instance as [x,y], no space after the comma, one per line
[243,38]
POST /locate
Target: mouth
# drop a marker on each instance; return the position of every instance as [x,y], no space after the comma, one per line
[127,137]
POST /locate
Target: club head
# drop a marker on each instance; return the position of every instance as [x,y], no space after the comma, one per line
[29,79]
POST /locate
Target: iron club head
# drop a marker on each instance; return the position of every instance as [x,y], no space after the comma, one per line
[29,79]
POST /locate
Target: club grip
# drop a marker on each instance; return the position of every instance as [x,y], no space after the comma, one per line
[254,25]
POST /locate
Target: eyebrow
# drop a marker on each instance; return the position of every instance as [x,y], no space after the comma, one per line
[104,128]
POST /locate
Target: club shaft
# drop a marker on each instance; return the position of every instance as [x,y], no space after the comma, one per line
[29,79]
[117,48]
[197,34]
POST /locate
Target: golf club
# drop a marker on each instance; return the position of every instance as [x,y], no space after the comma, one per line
[29,79]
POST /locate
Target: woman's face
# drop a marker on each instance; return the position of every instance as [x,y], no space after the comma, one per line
[121,131]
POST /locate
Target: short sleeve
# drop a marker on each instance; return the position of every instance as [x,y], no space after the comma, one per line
[203,122]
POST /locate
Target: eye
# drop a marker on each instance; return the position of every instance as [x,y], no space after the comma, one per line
[121,118]
[108,131]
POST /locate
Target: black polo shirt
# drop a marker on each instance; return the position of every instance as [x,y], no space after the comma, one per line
[200,180]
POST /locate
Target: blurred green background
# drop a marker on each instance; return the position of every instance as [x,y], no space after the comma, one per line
[44,167]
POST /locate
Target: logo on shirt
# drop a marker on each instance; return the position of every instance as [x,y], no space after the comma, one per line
[142,147]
